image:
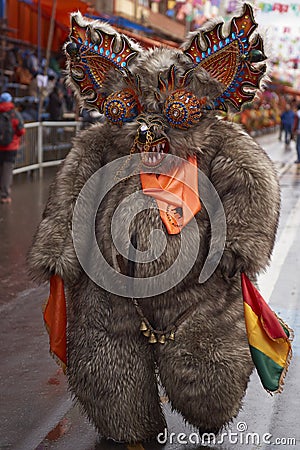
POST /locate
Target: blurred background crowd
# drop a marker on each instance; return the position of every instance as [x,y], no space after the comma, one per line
[32,85]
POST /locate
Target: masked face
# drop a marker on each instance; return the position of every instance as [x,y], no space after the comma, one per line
[163,95]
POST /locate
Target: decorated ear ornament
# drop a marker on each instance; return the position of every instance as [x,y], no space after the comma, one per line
[92,52]
[229,58]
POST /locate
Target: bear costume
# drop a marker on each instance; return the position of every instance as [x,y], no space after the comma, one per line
[163,107]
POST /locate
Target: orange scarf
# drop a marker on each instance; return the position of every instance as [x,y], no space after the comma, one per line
[176,194]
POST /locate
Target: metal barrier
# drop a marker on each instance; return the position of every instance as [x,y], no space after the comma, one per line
[45,144]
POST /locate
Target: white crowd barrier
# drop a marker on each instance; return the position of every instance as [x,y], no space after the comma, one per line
[45,144]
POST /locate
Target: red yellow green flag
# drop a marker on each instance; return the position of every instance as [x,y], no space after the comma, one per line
[269,338]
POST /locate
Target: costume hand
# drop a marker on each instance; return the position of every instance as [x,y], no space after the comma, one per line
[230,265]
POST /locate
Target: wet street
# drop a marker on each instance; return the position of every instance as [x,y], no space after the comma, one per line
[36,411]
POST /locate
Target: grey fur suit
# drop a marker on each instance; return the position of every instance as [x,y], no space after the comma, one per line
[111,365]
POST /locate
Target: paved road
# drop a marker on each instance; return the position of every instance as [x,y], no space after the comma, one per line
[36,411]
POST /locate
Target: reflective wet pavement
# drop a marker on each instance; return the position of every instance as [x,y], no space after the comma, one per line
[36,411]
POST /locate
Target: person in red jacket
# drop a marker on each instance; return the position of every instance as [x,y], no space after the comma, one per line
[11,129]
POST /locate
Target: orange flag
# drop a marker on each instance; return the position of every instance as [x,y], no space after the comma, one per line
[55,317]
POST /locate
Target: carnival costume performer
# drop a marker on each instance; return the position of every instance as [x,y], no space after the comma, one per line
[173,173]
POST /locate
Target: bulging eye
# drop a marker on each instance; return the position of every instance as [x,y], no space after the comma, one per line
[122,106]
[183,109]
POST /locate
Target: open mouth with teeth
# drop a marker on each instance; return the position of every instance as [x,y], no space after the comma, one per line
[153,155]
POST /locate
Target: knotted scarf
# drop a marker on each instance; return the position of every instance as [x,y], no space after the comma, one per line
[176,194]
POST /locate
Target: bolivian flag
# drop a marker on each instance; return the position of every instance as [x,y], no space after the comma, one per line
[269,338]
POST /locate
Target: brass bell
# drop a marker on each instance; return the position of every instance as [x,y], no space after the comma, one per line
[162,339]
[172,336]
[146,333]
[152,339]
[143,326]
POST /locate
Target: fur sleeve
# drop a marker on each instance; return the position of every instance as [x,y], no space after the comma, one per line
[247,184]
[52,251]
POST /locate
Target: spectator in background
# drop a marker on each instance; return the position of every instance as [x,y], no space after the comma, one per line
[28,109]
[11,58]
[11,129]
[55,104]
[42,81]
[287,122]
[22,75]
[280,130]
[33,62]
[54,65]
[33,87]
[296,131]
[51,84]
[69,99]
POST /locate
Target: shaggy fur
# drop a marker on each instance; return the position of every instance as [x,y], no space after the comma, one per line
[111,366]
